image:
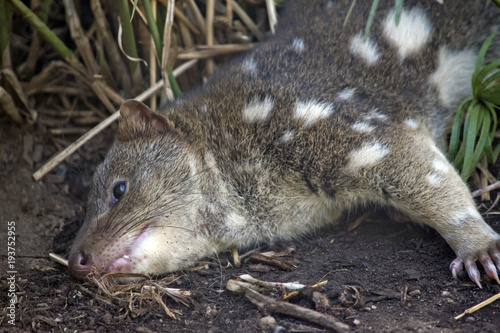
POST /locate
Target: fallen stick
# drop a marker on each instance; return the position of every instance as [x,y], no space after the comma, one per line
[488,188]
[272,305]
[205,51]
[59,157]
[282,264]
[57,258]
[479,306]
[236,257]
[295,293]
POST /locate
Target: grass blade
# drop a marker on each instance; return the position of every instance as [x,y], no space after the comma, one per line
[4,33]
[398,8]
[45,32]
[484,137]
[492,95]
[371,16]
[129,43]
[483,74]
[353,3]
[456,129]
[480,60]
[470,138]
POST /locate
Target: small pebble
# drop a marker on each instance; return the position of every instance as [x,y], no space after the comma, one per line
[210,311]
[445,293]
[414,292]
[470,319]
[356,322]
[266,322]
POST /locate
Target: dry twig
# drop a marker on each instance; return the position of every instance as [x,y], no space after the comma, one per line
[272,14]
[271,305]
[205,51]
[248,21]
[282,264]
[479,306]
[59,157]
[210,33]
[489,188]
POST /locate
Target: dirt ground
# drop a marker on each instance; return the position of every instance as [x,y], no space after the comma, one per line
[400,269]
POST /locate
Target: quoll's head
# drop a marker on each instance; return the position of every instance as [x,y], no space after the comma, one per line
[140,211]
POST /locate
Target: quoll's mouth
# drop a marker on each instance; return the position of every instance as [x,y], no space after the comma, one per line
[86,261]
[126,263]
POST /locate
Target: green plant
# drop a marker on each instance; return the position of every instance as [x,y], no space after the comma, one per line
[480,120]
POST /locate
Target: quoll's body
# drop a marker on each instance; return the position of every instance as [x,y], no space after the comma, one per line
[311,124]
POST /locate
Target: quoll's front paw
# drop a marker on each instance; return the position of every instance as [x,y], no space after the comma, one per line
[489,259]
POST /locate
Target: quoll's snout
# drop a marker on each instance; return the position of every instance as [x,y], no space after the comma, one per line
[80,264]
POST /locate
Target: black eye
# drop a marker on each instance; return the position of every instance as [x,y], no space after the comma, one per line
[119,190]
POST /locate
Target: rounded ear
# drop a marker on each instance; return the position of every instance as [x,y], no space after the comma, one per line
[137,120]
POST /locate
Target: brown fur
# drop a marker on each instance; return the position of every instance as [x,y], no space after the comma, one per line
[202,178]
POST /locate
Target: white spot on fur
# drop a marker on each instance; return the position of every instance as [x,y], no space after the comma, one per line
[193,164]
[369,154]
[474,213]
[411,123]
[346,94]
[412,33]
[258,109]
[435,149]
[298,45]
[287,136]
[311,111]
[439,165]
[234,219]
[375,114]
[249,65]
[453,75]
[210,159]
[434,179]
[204,108]
[366,49]
[462,216]
[363,127]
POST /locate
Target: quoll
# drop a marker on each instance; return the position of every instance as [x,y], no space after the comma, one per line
[312,123]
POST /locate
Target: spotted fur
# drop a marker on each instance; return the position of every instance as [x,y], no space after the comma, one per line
[312,123]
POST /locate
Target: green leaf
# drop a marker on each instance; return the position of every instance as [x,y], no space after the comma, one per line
[496,151]
[398,8]
[353,3]
[492,95]
[470,138]
[491,108]
[133,9]
[481,55]
[484,137]
[491,77]
[456,129]
[482,74]
[371,16]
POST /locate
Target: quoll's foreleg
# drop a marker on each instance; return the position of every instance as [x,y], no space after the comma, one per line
[416,178]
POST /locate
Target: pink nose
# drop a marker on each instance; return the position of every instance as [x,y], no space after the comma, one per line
[80,264]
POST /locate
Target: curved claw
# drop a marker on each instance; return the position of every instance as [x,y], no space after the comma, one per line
[489,259]
[489,267]
[471,268]
[456,267]
[496,259]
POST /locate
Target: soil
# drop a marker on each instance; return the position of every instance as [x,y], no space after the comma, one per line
[400,270]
